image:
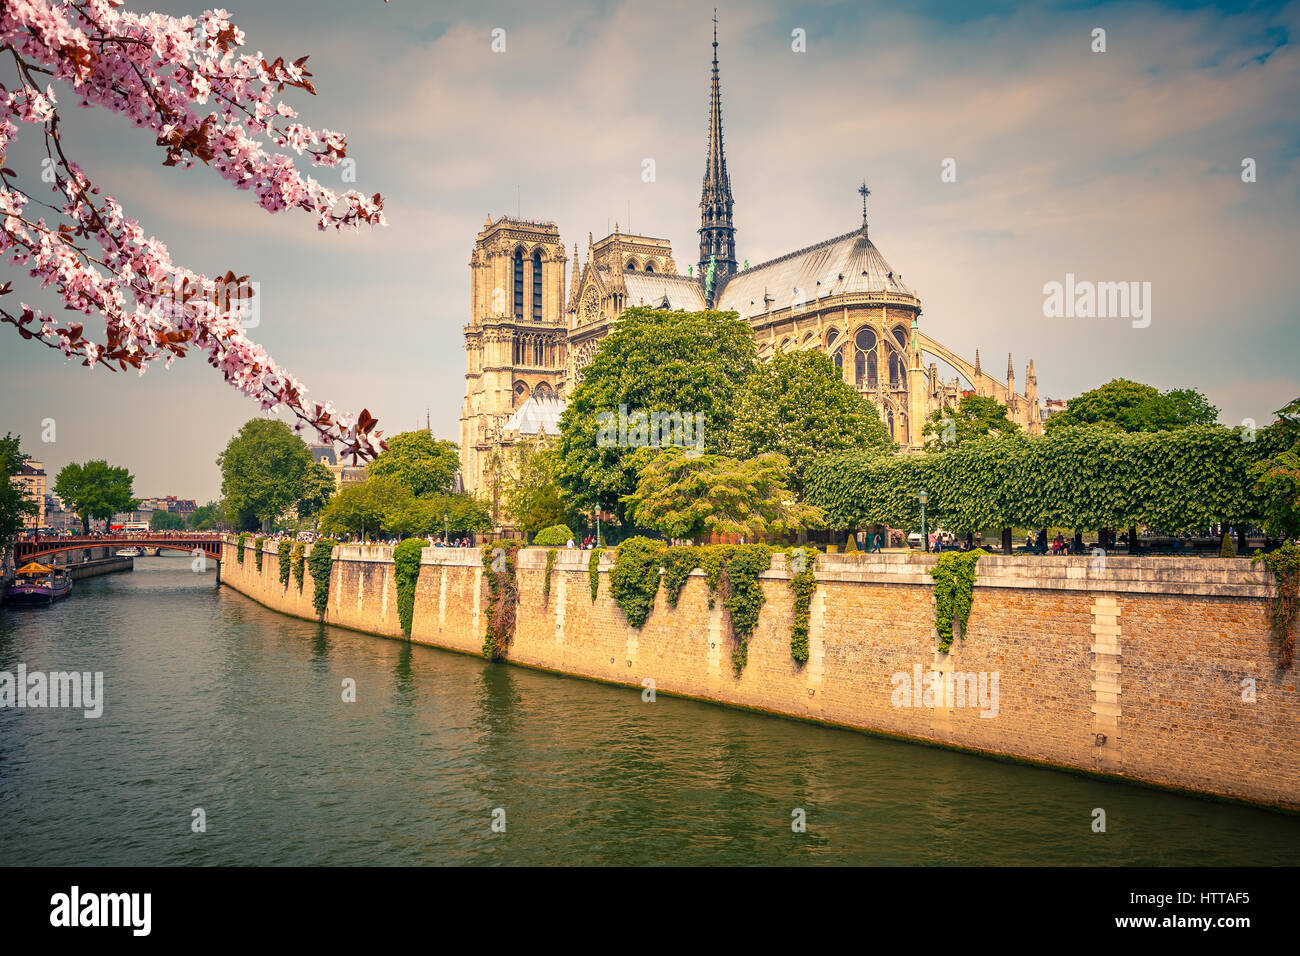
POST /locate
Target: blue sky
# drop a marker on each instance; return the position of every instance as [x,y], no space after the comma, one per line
[1121,166]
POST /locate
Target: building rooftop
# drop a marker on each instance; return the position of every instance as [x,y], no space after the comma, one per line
[539,415]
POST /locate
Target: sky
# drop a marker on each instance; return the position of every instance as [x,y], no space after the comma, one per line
[1123,165]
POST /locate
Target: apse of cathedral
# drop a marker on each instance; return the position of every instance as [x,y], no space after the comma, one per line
[527,343]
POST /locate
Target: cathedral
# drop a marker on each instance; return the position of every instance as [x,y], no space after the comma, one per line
[527,343]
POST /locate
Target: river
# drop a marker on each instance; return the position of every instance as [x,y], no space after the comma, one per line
[215,703]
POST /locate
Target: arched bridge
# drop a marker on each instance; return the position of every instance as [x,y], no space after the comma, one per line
[32,549]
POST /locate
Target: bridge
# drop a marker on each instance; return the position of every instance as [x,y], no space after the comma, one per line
[32,549]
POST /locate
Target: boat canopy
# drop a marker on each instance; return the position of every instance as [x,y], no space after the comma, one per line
[34,568]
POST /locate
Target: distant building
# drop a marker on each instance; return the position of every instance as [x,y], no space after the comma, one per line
[31,479]
[1054,406]
[343,474]
[59,516]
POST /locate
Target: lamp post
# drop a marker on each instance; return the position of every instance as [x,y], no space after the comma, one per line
[598,544]
[923,498]
[445,530]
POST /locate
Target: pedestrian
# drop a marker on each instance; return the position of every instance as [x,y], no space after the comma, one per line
[875,543]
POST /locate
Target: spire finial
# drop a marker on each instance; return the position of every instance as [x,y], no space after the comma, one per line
[715,34]
[864,192]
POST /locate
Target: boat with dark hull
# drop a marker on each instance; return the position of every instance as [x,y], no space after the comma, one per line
[38,584]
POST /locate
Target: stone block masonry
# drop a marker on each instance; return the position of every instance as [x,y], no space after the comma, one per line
[1160,670]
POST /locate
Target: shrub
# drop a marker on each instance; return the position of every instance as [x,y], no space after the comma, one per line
[679,562]
[593,572]
[556,536]
[406,570]
[1228,549]
[546,586]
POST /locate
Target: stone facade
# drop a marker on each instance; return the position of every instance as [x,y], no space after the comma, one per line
[1161,670]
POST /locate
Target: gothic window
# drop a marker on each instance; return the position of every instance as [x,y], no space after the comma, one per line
[538,353]
[865,367]
[537,286]
[900,337]
[631,267]
[649,267]
[543,390]
[838,360]
[895,368]
[519,283]
[889,416]
[519,351]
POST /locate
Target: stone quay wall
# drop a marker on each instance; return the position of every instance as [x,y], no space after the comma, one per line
[1159,670]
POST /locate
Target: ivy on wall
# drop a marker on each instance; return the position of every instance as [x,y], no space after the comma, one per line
[503,597]
[257,553]
[406,572]
[593,572]
[634,582]
[745,599]
[954,589]
[1284,602]
[801,563]
[546,586]
[319,563]
[297,558]
[239,553]
[678,563]
[282,562]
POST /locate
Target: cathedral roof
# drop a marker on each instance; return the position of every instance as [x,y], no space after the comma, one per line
[540,414]
[651,289]
[845,264]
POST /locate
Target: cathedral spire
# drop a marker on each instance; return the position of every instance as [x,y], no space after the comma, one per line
[577,276]
[717,231]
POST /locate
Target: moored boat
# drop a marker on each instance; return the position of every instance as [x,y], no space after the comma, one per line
[37,584]
[135,552]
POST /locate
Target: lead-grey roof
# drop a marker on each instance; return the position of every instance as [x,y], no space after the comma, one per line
[847,263]
[651,289]
[540,414]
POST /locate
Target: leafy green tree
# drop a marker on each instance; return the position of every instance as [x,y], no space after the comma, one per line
[530,494]
[264,472]
[364,509]
[166,521]
[317,489]
[421,462]
[798,405]
[15,506]
[206,517]
[1277,473]
[430,517]
[95,490]
[692,497]
[974,417]
[1134,407]
[683,363]
[556,536]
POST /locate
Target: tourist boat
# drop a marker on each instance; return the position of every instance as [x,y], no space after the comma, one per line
[36,584]
[131,553]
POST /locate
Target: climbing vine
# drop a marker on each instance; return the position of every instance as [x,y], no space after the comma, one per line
[593,572]
[1284,602]
[282,561]
[243,540]
[406,570]
[296,559]
[678,565]
[745,597]
[713,559]
[257,553]
[634,582]
[319,563]
[546,586]
[954,589]
[803,582]
[503,597]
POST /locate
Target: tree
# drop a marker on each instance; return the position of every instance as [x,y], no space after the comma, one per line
[431,517]
[692,497]
[1277,472]
[206,517]
[264,472]
[1134,407]
[95,490]
[799,406]
[365,509]
[531,496]
[317,489]
[974,417]
[424,464]
[688,366]
[15,505]
[186,81]
[166,521]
